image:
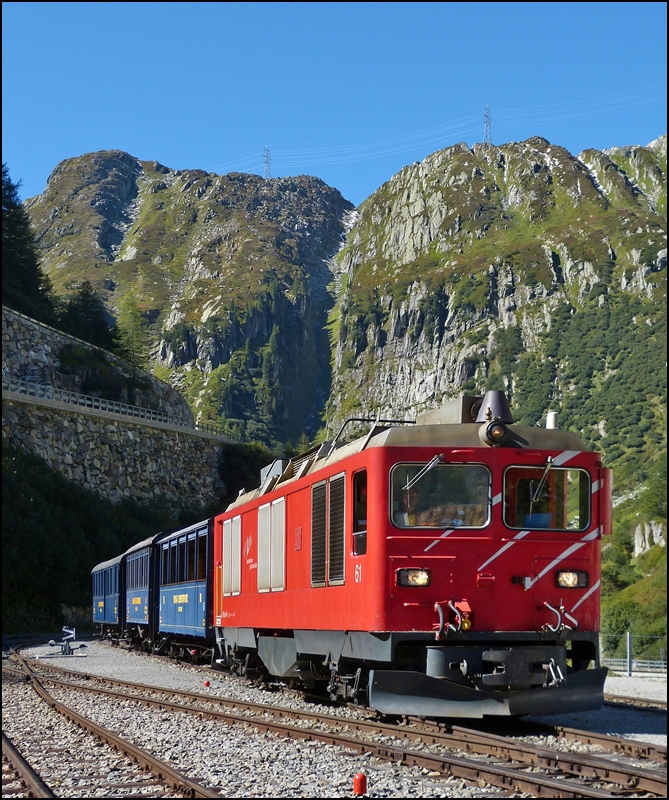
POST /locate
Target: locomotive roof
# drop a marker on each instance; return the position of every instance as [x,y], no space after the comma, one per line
[467,435]
[440,435]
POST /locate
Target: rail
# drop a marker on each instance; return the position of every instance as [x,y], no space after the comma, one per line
[100,404]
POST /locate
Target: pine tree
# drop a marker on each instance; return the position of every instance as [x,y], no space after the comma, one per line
[132,335]
[25,287]
[84,316]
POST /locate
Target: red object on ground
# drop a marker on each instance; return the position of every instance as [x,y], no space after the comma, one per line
[360,783]
[207,684]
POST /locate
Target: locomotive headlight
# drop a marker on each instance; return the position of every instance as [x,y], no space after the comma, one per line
[412,577]
[573,579]
[493,433]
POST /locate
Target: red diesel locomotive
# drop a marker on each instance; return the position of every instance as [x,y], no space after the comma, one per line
[449,567]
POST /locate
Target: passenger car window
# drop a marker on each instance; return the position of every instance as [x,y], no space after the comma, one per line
[447,495]
[550,498]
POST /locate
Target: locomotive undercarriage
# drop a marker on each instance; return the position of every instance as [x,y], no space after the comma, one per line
[473,675]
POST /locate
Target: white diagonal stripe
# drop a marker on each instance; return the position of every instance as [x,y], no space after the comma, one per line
[592,589]
[516,538]
[497,499]
[443,536]
[565,455]
[572,549]
[557,560]
[596,486]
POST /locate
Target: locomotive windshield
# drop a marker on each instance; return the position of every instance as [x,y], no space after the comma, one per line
[547,497]
[447,495]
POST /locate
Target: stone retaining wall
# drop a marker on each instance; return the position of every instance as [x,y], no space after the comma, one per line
[114,457]
[31,351]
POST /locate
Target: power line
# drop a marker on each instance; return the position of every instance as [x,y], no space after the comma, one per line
[505,119]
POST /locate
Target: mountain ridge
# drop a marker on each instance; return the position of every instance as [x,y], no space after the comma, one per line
[472,269]
[211,261]
[518,266]
[465,271]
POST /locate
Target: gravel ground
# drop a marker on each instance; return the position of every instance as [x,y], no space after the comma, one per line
[650,687]
[113,662]
[640,725]
[237,759]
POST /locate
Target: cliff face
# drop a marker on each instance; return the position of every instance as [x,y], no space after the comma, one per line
[519,267]
[230,273]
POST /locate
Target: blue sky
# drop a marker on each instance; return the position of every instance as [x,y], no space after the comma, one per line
[349,92]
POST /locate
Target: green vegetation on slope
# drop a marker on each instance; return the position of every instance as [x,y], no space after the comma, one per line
[552,290]
[634,590]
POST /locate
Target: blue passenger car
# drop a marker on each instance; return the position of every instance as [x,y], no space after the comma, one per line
[108,579]
[141,583]
[186,572]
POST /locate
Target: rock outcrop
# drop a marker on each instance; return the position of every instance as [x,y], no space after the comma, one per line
[518,266]
[646,535]
[231,273]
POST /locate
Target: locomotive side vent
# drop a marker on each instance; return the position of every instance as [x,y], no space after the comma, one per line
[318,495]
[336,530]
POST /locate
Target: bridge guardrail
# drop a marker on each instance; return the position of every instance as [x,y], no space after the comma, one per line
[48,392]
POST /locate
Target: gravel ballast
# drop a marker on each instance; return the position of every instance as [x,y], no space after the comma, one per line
[237,759]
[243,762]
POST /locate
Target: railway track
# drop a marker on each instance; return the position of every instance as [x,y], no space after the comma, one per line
[635,702]
[18,777]
[80,758]
[475,755]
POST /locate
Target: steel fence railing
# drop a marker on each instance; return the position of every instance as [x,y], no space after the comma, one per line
[630,663]
[47,392]
[637,665]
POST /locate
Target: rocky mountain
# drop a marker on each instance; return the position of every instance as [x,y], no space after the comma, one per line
[230,273]
[520,267]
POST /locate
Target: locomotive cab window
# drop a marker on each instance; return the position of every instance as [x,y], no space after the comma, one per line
[551,498]
[434,495]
